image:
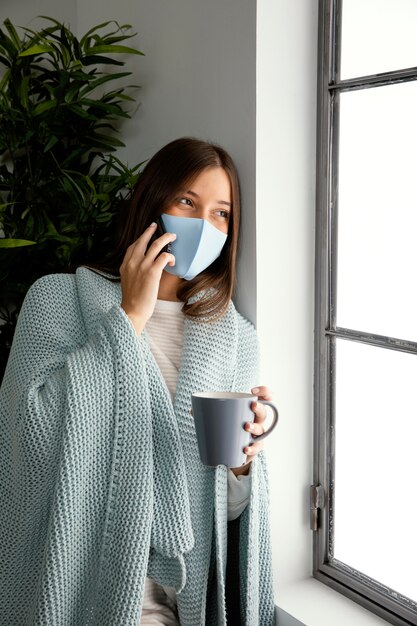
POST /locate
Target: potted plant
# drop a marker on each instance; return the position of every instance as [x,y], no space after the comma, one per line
[60,181]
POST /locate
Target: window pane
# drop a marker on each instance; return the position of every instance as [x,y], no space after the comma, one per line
[376,464]
[377,251]
[378,36]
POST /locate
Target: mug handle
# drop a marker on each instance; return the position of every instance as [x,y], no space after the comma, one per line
[271,428]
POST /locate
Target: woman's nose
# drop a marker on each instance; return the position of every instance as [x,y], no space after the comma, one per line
[203,213]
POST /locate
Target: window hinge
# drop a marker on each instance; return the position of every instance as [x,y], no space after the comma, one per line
[316,503]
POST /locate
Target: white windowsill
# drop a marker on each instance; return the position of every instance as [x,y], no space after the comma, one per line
[282,618]
[315,604]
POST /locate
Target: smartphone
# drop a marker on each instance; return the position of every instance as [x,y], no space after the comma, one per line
[160,230]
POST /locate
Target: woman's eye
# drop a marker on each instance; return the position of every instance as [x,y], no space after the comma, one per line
[185,201]
[224,214]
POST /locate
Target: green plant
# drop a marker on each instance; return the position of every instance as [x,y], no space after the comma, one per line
[60,181]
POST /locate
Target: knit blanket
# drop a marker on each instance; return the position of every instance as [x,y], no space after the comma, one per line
[101,482]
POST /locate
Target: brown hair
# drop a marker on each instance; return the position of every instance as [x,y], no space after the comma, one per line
[173,166]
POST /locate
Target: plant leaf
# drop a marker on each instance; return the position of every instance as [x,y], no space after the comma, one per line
[37,49]
[4,80]
[12,32]
[103,79]
[51,19]
[52,141]
[81,113]
[44,106]
[113,50]
[7,44]
[93,30]
[95,58]
[107,140]
[103,217]
[15,243]
[24,91]
[5,61]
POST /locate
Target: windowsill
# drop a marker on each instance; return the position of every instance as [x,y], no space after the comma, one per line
[282,618]
[314,604]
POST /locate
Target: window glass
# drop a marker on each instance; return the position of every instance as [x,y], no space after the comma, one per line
[377,223]
[366,255]
[378,36]
[375,508]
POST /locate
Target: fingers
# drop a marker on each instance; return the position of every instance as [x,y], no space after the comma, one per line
[141,243]
[254,449]
[260,412]
[136,252]
[263,393]
[149,256]
[164,259]
[156,247]
[255,428]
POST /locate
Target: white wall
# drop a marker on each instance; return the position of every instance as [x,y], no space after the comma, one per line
[285,199]
[24,12]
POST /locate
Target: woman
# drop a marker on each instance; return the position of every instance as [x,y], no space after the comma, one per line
[110,516]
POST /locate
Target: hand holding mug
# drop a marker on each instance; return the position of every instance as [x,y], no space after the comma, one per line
[230,424]
[256,428]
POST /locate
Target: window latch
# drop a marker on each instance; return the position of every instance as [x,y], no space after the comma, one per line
[316,503]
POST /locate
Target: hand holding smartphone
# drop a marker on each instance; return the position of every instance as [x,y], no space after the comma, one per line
[140,274]
[160,230]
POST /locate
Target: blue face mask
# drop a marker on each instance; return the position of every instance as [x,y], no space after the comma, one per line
[197,245]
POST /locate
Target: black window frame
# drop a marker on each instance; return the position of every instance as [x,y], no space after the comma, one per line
[371,594]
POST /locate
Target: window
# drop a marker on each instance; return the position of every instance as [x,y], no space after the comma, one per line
[363,501]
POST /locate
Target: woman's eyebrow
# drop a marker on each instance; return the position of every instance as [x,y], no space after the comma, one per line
[193,193]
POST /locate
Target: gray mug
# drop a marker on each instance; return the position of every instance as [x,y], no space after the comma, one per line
[219,419]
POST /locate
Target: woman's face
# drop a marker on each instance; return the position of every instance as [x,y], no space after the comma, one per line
[208,197]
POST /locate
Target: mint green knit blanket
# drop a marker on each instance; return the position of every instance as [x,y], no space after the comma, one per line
[100,478]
